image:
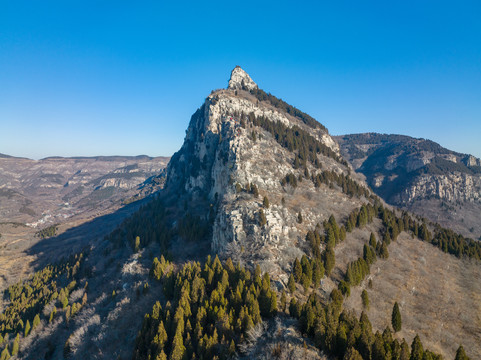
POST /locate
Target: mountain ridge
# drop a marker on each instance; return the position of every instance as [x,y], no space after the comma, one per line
[420,175]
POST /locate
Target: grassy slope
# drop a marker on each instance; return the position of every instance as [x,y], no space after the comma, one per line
[439,296]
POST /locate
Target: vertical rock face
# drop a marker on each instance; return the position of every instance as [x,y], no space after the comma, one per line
[224,154]
[470,160]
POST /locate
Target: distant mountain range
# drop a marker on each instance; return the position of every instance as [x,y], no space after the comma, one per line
[59,186]
[421,176]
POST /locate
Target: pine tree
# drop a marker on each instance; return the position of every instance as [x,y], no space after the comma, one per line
[344,288]
[461,354]
[161,337]
[368,254]
[329,260]
[331,238]
[178,348]
[257,272]
[396,318]
[265,202]
[262,218]
[137,244]
[5,354]
[384,253]
[161,356]
[254,190]
[273,304]
[352,354]
[362,217]
[297,270]
[306,282]
[283,301]
[334,227]
[36,322]
[291,284]
[373,241]
[365,299]
[294,308]
[27,328]
[156,270]
[52,314]
[417,351]
[317,273]
[232,348]
[405,354]
[68,313]
[306,267]
[15,346]
[64,301]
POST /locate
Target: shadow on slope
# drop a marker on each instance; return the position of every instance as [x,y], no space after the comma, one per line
[76,239]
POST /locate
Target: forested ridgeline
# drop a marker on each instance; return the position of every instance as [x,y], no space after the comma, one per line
[280,104]
[344,182]
[27,301]
[293,138]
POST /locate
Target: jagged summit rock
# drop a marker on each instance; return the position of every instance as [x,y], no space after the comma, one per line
[241,80]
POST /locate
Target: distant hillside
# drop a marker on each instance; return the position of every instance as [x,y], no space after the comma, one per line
[59,187]
[37,196]
[103,158]
[420,175]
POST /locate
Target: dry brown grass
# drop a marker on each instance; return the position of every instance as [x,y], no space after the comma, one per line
[439,296]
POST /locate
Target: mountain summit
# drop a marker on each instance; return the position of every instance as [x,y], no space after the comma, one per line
[239,79]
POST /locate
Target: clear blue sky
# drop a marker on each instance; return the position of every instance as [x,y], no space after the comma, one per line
[123,77]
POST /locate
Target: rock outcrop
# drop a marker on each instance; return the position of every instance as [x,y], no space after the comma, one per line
[239,79]
[225,155]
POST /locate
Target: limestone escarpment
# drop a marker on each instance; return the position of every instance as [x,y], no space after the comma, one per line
[420,175]
[451,187]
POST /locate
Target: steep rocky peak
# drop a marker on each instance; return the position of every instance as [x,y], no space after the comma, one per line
[239,79]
